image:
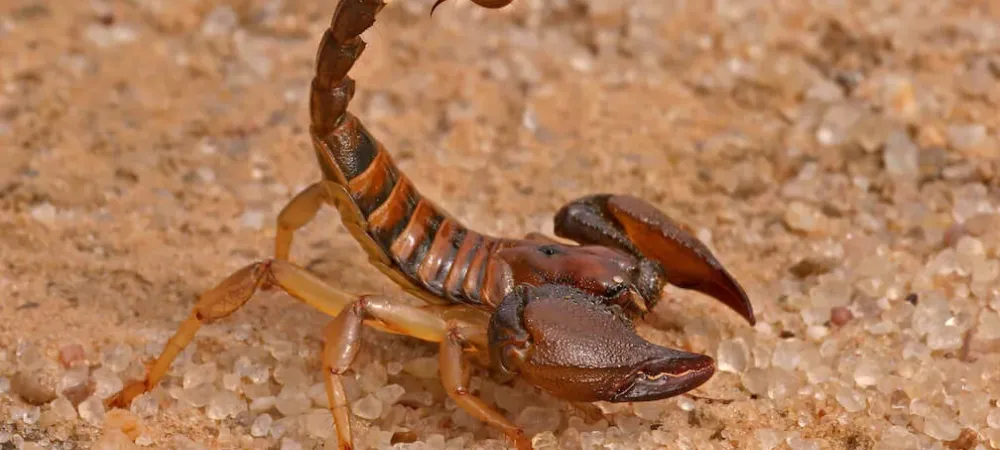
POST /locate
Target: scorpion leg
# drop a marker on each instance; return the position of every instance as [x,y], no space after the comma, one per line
[455,377]
[296,214]
[233,292]
[633,225]
[343,341]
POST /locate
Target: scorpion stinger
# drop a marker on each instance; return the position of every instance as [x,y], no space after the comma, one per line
[635,226]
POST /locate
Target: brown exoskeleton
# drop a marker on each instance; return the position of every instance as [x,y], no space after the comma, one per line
[556,314]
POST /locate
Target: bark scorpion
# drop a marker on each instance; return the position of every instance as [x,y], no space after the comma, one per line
[559,314]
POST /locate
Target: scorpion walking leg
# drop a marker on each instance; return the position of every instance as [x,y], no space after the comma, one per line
[296,214]
[343,341]
[455,377]
[233,292]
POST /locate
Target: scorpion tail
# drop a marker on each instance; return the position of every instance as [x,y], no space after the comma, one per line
[340,48]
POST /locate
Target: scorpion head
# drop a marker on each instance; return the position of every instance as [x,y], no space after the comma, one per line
[608,273]
[578,347]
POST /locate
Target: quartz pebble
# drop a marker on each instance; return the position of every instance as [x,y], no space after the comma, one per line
[261,425]
[733,356]
[91,411]
[225,404]
[292,402]
[368,407]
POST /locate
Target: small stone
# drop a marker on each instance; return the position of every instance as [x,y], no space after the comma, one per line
[534,420]
[945,337]
[899,96]
[319,424]
[261,425]
[650,411]
[802,217]
[71,355]
[118,357]
[225,404]
[372,377]
[288,443]
[787,354]
[733,356]
[292,402]
[252,219]
[255,391]
[798,443]
[755,380]
[901,155]
[825,91]
[317,393]
[199,374]
[220,21]
[390,394]
[261,404]
[107,382]
[685,404]
[850,399]
[30,389]
[63,408]
[768,438]
[542,441]
[291,375]
[966,136]
[25,414]
[867,373]
[114,439]
[897,438]
[92,411]
[368,407]
[44,212]
[993,418]
[941,428]
[231,382]
[426,367]
[840,316]
[198,396]
[145,405]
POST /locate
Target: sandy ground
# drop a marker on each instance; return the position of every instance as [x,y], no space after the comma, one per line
[840,157]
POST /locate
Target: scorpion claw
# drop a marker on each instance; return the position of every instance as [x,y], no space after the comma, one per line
[635,226]
[573,345]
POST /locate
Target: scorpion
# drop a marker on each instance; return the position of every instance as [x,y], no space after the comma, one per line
[557,311]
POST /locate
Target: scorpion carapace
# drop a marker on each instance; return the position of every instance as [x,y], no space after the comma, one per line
[559,315]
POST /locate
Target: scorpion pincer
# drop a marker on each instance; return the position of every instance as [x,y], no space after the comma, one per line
[559,314]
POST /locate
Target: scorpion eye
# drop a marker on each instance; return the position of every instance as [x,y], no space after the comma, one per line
[548,250]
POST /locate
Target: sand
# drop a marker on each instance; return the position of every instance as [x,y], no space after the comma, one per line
[840,158]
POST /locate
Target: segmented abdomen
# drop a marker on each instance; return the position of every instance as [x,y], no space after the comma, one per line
[432,249]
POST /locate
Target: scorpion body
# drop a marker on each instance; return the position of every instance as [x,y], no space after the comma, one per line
[558,314]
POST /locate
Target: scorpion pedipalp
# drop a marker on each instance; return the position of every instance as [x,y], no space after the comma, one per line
[633,225]
[577,347]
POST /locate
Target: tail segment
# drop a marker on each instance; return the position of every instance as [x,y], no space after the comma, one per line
[433,251]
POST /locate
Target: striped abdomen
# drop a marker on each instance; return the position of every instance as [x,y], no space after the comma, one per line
[430,248]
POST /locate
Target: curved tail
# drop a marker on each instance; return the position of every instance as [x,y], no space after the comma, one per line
[410,239]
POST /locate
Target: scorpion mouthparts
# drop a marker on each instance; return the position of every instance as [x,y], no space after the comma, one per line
[674,373]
